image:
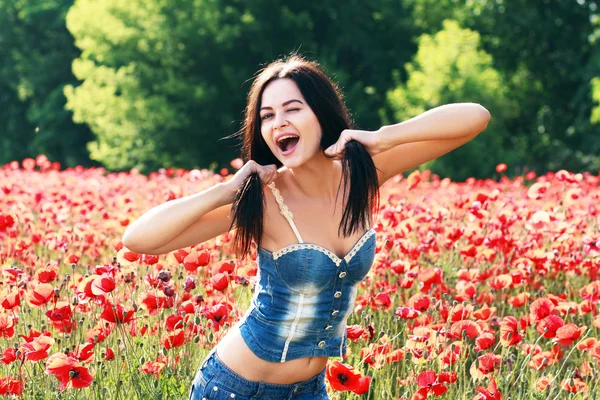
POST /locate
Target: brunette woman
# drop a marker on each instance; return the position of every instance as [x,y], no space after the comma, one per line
[305,197]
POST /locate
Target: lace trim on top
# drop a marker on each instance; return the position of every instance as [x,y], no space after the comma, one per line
[360,244]
[303,246]
[328,253]
[285,211]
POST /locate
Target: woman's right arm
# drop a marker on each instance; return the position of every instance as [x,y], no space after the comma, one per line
[192,219]
[181,222]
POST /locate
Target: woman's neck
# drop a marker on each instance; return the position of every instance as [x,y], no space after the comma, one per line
[318,178]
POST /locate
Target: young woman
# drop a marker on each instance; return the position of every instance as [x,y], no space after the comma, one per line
[313,245]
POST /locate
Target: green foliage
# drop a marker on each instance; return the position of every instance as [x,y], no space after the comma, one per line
[449,67]
[546,53]
[159,83]
[35,63]
[163,81]
[596,96]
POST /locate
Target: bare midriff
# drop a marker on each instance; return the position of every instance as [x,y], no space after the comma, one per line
[237,356]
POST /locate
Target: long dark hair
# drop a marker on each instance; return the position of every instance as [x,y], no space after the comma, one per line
[326,101]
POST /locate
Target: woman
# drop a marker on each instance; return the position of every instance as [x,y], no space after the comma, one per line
[313,246]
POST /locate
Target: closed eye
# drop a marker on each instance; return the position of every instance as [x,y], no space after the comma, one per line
[268,115]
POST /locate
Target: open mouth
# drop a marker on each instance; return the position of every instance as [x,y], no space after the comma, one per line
[287,143]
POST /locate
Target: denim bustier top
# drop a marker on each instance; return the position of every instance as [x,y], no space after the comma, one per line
[303,296]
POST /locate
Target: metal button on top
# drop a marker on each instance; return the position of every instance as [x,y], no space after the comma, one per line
[232,395]
[342,274]
[335,312]
[337,294]
[322,343]
[215,388]
[328,327]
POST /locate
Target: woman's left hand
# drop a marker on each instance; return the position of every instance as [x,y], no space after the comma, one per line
[369,139]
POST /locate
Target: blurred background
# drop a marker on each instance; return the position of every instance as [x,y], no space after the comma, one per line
[159,83]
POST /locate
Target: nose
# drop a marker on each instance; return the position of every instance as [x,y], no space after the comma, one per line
[280,121]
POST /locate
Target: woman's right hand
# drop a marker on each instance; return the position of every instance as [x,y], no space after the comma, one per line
[266,173]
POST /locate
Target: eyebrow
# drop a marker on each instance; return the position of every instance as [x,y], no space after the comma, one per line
[285,103]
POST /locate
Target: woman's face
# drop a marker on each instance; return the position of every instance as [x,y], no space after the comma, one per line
[287,124]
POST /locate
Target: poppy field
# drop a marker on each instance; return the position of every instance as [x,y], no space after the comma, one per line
[480,290]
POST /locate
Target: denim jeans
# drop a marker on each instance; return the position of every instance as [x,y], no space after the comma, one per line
[215,381]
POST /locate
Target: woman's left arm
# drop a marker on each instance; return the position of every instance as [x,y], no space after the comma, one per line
[400,147]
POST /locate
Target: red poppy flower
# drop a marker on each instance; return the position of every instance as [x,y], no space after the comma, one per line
[8,356]
[220,281]
[419,302]
[543,383]
[40,295]
[429,277]
[501,282]
[218,314]
[452,353]
[355,332]
[173,339]
[68,371]
[484,313]
[11,300]
[548,326]
[428,383]
[98,333]
[459,312]
[484,341]
[573,385]
[566,335]
[195,259]
[103,284]
[37,349]
[485,365]
[540,309]
[508,332]
[470,329]
[9,385]
[116,314]
[152,367]
[173,322]
[60,313]
[342,377]
[45,275]
[7,325]
[109,354]
[83,352]
[489,393]
[381,301]
[154,302]
[542,360]
[131,256]
[33,334]
[407,313]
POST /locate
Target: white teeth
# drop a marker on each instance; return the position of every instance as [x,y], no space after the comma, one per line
[286,137]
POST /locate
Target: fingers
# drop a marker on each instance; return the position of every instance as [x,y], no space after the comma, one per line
[337,149]
[267,173]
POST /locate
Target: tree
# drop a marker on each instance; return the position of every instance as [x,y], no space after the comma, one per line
[163,81]
[449,67]
[35,63]
[544,51]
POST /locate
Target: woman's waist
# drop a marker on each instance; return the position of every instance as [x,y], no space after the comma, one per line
[237,356]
